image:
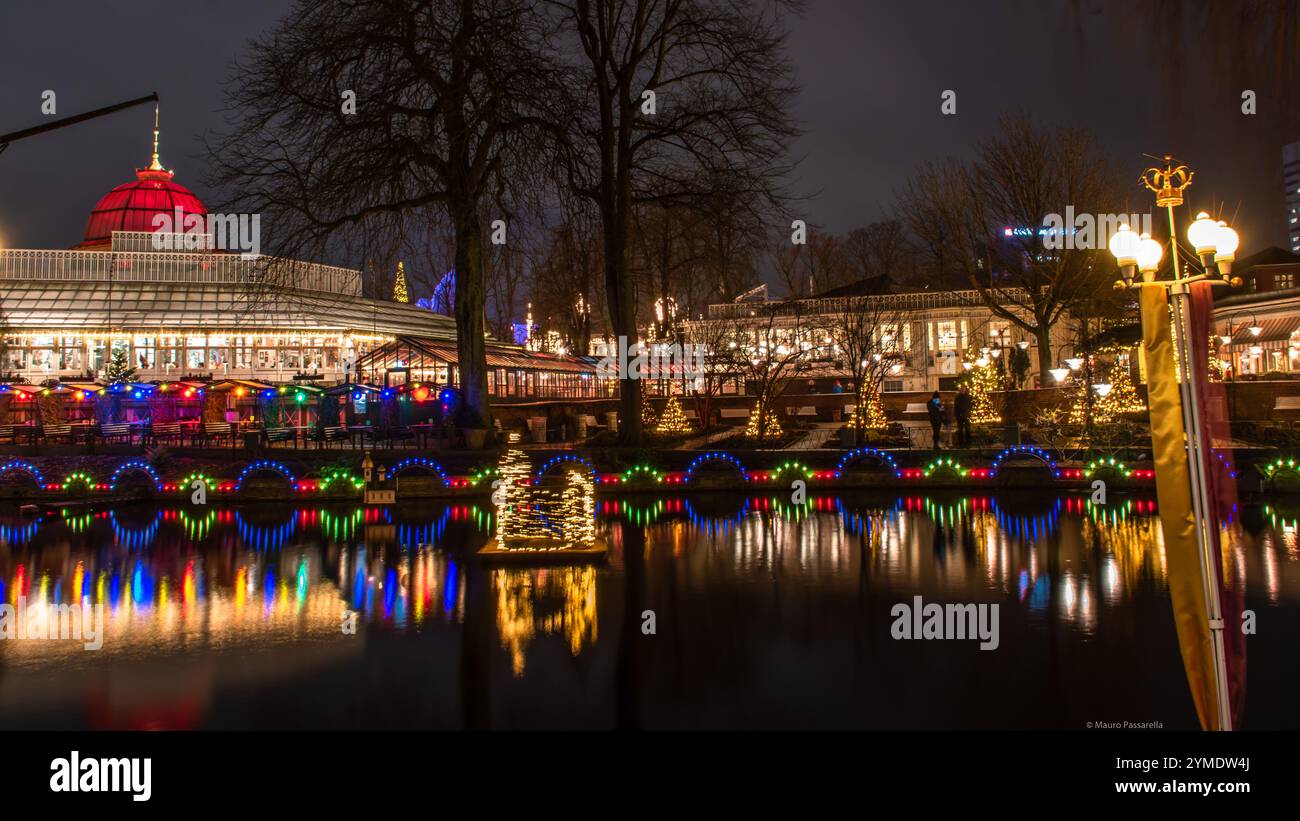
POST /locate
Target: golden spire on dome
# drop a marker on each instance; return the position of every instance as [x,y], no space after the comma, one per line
[155,165]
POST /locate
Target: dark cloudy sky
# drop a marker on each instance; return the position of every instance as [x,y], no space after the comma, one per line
[872,74]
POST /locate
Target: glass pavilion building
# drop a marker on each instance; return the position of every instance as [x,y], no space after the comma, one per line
[207,314]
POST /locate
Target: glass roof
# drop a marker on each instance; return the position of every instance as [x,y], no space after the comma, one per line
[125,306]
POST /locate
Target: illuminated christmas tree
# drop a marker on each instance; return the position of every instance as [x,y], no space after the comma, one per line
[873,410]
[1122,396]
[982,379]
[672,420]
[647,410]
[399,285]
[771,427]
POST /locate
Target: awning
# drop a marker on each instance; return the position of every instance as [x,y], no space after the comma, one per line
[1273,329]
[250,385]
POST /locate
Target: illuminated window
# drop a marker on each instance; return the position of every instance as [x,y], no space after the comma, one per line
[947,332]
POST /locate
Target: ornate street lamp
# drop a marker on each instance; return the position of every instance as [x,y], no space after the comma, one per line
[1215,244]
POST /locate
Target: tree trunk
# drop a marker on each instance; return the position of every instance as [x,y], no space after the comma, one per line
[471,351]
[621,297]
[1044,335]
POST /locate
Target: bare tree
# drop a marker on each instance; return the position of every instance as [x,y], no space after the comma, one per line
[358,120]
[721,365]
[663,90]
[806,269]
[770,351]
[881,249]
[873,341]
[1017,179]
[568,281]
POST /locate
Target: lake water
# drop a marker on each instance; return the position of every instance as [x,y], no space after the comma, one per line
[764,615]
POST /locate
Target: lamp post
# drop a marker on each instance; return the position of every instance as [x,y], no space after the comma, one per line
[1215,244]
[1229,336]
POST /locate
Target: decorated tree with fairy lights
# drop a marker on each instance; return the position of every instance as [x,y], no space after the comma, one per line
[763,425]
[672,420]
[648,417]
[1122,396]
[400,294]
[869,414]
[982,379]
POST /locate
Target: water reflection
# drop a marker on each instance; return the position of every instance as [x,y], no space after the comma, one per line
[770,581]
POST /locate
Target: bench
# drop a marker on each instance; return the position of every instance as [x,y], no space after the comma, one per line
[160,431]
[58,432]
[916,407]
[117,430]
[1287,403]
[806,410]
[333,433]
[9,434]
[734,413]
[272,435]
[213,430]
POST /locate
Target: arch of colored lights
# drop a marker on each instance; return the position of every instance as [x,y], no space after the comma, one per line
[78,476]
[135,466]
[563,458]
[1280,465]
[1109,463]
[22,466]
[481,474]
[641,472]
[785,467]
[715,456]
[421,463]
[944,463]
[264,466]
[1030,451]
[184,484]
[334,476]
[858,454]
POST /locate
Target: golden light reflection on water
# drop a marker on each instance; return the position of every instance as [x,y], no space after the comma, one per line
[547,601]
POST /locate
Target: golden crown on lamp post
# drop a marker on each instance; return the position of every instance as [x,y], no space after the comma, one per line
[1168,182]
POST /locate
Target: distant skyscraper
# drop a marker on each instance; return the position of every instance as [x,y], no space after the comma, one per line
[1291,184]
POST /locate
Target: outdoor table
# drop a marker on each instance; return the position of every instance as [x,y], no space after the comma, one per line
[424,431]
[359,433]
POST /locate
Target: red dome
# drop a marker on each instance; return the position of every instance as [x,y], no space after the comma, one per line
[132,206]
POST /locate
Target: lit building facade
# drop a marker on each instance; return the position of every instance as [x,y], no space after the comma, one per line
[1258,324]
[197,313]
[934,331]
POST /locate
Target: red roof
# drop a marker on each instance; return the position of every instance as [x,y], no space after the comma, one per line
[132,206]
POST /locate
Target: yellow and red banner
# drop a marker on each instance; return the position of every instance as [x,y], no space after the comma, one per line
[1173,488]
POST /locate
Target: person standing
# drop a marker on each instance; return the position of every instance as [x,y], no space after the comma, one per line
[935,409]
[961,407]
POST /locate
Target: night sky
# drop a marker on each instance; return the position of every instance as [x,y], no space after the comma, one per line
[872,75]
